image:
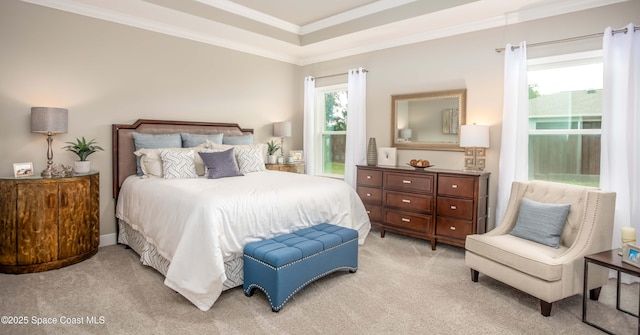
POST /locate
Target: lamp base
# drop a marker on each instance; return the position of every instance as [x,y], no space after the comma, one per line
[46,173]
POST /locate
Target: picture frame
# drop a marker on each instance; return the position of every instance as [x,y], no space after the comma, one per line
[21,170]
[631,254]
[297,155]
[387,156]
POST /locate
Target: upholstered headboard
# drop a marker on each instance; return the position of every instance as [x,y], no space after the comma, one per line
[124,161]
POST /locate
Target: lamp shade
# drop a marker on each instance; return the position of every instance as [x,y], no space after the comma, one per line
[405,133]
[473,135]
[282,129]
[48,120]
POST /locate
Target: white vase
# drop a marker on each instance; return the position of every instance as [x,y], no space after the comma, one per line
[271,159]
[82,166]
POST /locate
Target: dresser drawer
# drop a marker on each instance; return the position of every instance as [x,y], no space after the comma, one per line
[457,208]
[455,186]
[369,178]
[453,228]
[370,195]
[409,182]
[374,211]
[407,220]
[408,201]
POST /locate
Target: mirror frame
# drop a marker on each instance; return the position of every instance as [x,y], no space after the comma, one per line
[461,94]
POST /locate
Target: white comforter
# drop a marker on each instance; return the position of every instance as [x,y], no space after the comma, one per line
[198,224]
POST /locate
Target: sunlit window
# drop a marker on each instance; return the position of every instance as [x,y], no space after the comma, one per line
[565,112]
[331,138]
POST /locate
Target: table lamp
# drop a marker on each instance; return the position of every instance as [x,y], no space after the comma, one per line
[282,130]
[475,139]
[48,121]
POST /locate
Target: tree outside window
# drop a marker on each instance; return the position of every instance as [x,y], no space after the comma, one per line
[331,109]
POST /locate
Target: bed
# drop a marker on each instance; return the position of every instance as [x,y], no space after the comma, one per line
[192,230]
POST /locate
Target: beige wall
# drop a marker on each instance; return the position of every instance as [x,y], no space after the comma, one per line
[467,61]
[107,73]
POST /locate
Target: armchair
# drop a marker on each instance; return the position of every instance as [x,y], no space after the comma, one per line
[547,273]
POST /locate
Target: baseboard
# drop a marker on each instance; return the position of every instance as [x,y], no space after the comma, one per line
[107,239]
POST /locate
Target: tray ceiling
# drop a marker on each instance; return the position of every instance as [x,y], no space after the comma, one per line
[310,31]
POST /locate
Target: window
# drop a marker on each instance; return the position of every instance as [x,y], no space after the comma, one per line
[331,132]
[565,112]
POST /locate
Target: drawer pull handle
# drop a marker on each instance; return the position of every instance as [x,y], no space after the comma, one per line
[368,212]
[454,186]
[452,228]
[406,220]
[368,177]
[454,207]
[51,200]
[407,201]
[368,194]
[406,181]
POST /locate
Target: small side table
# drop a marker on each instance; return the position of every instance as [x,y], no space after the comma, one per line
[611,260]
[296,167]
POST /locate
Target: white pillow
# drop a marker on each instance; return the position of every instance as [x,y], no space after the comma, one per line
[250,157]
[151,162]
[178,164]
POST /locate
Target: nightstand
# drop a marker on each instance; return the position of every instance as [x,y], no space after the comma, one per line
[48,223]
[296,167]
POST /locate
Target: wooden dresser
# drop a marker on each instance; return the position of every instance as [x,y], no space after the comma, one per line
[432,204]
[46,224]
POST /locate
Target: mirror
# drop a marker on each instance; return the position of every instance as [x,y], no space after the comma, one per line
[429,120]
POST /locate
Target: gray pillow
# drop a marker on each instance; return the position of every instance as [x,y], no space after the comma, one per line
[235,140]
[540,222]
[155,141]
[193,140]
[220,164]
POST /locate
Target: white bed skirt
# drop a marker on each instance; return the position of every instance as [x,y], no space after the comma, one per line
[151,257]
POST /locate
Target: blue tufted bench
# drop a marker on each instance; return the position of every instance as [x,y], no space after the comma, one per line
[282,265]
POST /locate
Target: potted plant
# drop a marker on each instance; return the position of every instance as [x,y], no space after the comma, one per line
[83,149]
[272,147]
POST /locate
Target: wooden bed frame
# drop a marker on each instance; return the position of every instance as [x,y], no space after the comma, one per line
[124,161]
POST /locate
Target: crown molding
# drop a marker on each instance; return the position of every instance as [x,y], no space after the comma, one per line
[145,15]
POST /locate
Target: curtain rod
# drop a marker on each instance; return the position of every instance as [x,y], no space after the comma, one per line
[570,39]
[336,75]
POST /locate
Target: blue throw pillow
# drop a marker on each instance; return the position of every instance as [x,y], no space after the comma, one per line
[238,140]
[540,222]
[194,140]
[220,164]
[155,141]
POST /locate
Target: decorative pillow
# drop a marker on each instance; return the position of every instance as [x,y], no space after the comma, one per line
[178,164]
[250,157]
[235,140]
[191,140]
[220,164]
[540,222]
[151,161]
[155,141]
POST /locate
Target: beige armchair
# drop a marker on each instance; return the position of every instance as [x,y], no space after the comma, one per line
[544,272]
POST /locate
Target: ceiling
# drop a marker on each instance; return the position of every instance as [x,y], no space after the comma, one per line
[309,31]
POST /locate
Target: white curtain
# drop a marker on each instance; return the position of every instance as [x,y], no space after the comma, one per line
[355,150]
[309,131]
[620,153]
[514,146]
